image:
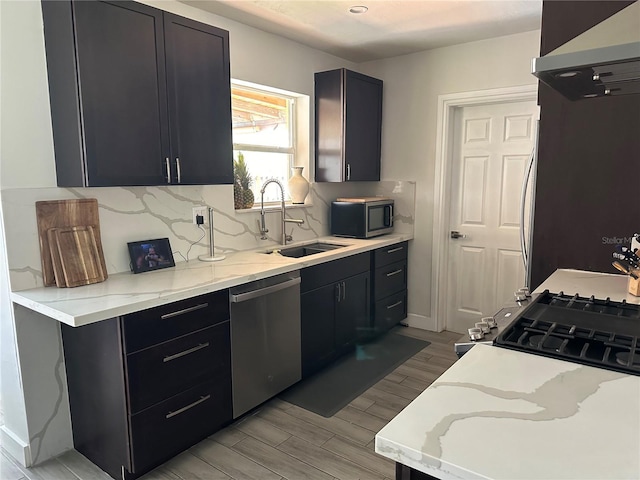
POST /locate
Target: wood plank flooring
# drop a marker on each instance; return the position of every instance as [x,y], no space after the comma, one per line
[279,441]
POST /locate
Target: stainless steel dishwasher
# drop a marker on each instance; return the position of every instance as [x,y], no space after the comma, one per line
[265,339]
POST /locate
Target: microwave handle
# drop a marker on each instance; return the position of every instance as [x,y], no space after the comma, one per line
[390,215]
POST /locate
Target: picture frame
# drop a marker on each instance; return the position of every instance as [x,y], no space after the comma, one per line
[150,255]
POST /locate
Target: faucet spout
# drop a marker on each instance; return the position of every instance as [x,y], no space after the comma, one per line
[283,220]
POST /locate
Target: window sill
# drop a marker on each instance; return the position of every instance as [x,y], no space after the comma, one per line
[273,207]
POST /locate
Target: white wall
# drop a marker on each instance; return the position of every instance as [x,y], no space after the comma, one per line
[412,85]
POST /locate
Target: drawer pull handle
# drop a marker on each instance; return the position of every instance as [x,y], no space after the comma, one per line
[389,307]
[393,250]
[186,310]
[187,407]
[168,358]
[395,272]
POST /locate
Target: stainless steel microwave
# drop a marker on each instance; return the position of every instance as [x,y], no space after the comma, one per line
[361,217]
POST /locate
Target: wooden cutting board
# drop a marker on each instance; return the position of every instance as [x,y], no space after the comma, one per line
[56,262]
[63,214]
[79,256]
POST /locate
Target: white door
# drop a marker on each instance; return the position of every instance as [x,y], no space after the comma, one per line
[491,147]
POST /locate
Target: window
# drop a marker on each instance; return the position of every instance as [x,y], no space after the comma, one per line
[264,134]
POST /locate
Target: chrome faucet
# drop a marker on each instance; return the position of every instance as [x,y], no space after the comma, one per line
[263,228]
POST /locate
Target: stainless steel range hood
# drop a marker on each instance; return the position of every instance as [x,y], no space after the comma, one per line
[604,60]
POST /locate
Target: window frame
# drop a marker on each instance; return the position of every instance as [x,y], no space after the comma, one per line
[293,128]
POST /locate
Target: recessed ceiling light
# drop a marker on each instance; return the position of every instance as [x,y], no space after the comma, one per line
[590,95]
[357,9]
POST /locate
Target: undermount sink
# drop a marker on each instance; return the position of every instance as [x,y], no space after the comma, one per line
[306,250]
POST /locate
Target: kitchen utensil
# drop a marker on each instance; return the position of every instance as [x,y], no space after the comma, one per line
[63,214]
[624,269]
[627,254]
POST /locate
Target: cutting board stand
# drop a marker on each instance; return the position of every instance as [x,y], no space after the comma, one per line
[634,284]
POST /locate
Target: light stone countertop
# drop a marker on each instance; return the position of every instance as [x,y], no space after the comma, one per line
[124,293]
[502,414]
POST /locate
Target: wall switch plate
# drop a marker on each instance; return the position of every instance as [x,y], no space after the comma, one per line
[199,211]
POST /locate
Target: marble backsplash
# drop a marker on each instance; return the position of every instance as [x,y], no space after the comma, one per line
[139,213]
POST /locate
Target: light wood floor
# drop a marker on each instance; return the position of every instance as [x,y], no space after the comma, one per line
[282,441]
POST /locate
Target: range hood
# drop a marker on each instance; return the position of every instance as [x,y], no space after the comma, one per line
[603,61]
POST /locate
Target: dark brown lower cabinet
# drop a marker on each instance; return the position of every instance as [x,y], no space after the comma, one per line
[389,296]
[135,403]
[335,306]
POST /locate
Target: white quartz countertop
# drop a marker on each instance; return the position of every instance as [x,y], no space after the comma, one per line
[601,285]
[124,293]
[502,414]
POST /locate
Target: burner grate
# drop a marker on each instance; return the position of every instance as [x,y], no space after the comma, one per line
[595,332]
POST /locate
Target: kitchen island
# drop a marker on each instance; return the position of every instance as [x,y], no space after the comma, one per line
[503,414]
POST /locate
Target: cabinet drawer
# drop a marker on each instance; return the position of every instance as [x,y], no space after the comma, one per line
[155,325]
[164,370]
[334,271]
[390,310]
[166,429]
[390,254]
[390,279]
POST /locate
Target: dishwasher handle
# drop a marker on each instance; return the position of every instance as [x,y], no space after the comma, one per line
[261,292]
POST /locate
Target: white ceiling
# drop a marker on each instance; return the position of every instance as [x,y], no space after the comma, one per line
[389,28]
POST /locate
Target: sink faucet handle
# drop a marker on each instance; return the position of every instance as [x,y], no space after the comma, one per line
[289,237]
[263,233]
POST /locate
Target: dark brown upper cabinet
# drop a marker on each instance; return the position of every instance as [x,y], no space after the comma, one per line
[138,96]
[348,132]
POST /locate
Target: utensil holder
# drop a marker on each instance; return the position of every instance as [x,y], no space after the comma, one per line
[634,284]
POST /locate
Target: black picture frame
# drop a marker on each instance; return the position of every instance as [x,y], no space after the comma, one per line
[144,261]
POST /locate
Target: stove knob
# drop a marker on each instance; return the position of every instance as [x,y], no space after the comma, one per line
[525,291]
[484,326]
[475,334]
[491,321]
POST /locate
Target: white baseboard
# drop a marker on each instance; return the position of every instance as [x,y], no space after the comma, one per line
[15,447]
[420,321]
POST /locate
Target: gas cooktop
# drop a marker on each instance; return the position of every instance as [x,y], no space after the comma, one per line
[587,330]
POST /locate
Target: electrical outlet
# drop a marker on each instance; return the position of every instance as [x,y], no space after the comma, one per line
[199,211]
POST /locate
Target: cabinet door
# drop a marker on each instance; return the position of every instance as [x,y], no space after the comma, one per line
[317,308]
[348,126]
[363,127]
[352,311]
[199,88]
[329,164]
[121,74]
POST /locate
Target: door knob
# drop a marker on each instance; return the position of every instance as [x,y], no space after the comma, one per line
[456,234]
